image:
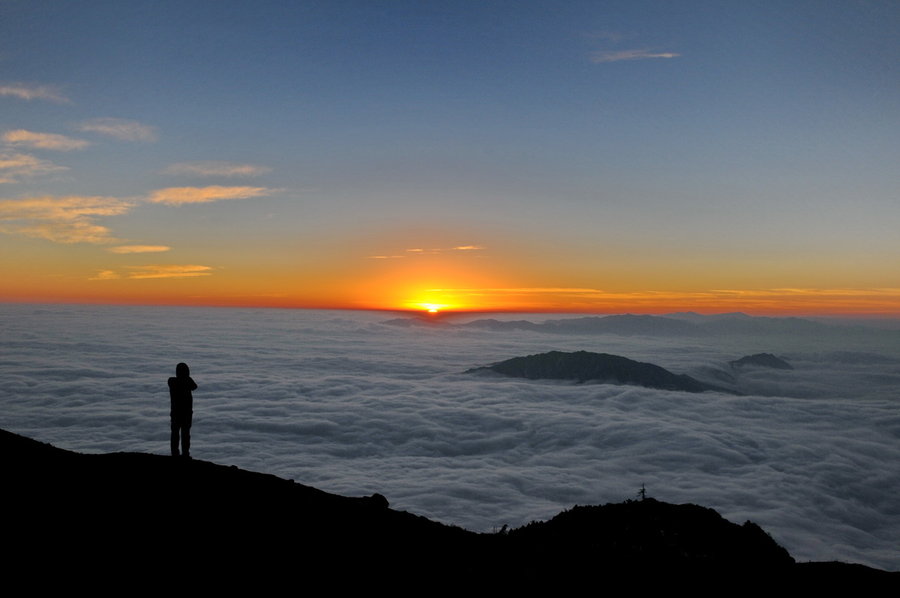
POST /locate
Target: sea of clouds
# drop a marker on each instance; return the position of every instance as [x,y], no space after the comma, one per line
[349,404]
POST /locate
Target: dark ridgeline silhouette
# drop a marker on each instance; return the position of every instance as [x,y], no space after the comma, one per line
[182,408]
[765,360]
[584,366]
[255,531]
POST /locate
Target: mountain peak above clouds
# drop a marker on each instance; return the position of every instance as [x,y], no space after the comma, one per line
[766,360]
[585,366]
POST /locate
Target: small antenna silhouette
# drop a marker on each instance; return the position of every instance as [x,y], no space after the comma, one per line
[642,492]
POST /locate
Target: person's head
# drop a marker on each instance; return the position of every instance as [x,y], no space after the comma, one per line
[182,370]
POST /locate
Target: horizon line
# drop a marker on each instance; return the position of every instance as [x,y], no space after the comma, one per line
[450,313]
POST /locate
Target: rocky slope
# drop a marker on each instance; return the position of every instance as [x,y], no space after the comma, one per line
[134,522]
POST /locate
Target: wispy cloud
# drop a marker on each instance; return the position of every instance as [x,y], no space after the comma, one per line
[169,271]
[621,55]
[176,196]
[216,168]
[61,219]
[415,251]
[435,250]
[105,275]
[16,166]
[155,271]
[50,141]
[119,128]
[26,91]
[139,249]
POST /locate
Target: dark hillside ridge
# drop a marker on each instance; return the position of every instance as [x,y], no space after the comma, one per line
[584,366]
[125,521]
[765,360]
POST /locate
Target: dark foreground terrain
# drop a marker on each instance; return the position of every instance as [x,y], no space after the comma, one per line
[132,522]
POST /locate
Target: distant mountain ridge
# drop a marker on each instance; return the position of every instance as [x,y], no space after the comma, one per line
[686,324]
[627,324]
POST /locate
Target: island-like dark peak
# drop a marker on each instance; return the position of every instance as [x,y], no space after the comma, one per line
[765,360]
[584,366]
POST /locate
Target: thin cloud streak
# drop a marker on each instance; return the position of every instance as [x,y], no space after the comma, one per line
[169,271]
[61,219]
[177,196]
[25,91]
[119,128]
[105,275]
[215,168]
[139,249]
[419,251]
[49,141]
[16,166]
[623,55]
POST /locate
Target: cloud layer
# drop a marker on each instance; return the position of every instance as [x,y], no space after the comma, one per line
[341,402]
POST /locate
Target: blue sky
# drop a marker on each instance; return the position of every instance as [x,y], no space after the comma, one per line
[704,145]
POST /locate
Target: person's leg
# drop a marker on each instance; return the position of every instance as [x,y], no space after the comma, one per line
[174,439]
[186,440]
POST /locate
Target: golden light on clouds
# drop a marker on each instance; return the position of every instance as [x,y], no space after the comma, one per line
[47,141]
[61,219]
[168,271]
[139,249]
[106,275]
[177,196]
[15,166]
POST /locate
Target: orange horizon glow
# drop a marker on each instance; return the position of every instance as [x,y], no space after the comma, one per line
[437,283]
[876,303]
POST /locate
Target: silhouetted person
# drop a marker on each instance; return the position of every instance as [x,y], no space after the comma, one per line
[182,408]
